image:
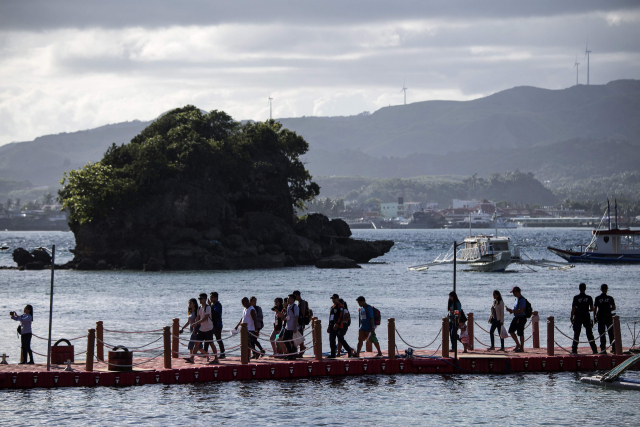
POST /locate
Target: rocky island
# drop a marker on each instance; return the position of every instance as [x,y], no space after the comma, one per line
[199,191]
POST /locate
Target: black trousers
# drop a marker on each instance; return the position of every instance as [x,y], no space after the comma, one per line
[577,328]
[288,336]
[218,333]
[602,326]
[339,335]
[495,324]
[453,334]
[256,342]
[25,340]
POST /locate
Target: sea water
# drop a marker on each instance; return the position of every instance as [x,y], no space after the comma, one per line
[138,301]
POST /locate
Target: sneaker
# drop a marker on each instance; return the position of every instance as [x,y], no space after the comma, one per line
[378,355]
[187,359]
[222,356]
[502,349]
[603,352]
[30,363]
[214,361]
[491,348]
[573,352]
[519,350]
[333,356]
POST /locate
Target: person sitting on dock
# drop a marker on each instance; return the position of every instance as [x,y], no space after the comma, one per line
[336,327]
[206,328]
[367,331]
[516,329]
[582,305]
[217,321]
[604,307]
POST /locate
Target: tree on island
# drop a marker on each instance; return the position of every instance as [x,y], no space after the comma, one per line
[197,190]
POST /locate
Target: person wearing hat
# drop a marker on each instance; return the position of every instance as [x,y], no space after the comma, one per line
[582,305]
[519,319]
[336,327]
[604,307]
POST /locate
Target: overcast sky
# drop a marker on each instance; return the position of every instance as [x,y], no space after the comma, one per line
[73,65]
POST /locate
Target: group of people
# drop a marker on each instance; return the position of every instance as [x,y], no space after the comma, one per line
[582,307]
[291,316]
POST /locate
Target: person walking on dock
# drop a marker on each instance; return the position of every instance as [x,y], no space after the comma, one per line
[249,317]
[259,324]
[293,314]
[305,316]
[192,312]
[346,322]
[277,323]
[367,330]
[217,321]
[516,329]
[496,319]
[25,320]
[453,305]
[336,327]
[604,307]
[206,328]
[582,305]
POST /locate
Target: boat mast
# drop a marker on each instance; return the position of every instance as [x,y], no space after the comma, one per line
[609,213]
[616,208]
[469,224]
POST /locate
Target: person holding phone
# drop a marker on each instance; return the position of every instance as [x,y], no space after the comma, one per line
[25,320]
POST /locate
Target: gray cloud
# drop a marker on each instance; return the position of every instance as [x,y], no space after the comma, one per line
[73,65]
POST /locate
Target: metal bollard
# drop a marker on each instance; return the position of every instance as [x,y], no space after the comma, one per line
[617,335]
[318,343]
[392,337]
[470,329]
[166,332]
[99,340]
[244,344]
[175,343]
[550,338]
[445,337]
[91,341]
[535,325]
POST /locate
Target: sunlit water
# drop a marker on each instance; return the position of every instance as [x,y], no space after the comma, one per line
[143,301]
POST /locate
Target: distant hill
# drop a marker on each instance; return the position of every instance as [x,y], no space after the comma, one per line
[514,118]
[574,132]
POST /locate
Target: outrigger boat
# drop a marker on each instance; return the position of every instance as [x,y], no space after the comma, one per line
[488,253]
[607,246]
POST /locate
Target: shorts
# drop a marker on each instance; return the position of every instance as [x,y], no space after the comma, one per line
[464,339]
[364,335]
[517,325]
[206,336]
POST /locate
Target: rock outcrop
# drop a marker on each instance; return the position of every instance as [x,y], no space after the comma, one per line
[336,261]
[200,192]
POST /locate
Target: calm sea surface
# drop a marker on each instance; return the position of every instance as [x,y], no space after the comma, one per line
[145,301]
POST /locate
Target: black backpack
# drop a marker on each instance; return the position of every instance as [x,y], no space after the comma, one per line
[528,310]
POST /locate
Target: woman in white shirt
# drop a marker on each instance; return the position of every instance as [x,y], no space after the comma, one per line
[25,333]
[496,319]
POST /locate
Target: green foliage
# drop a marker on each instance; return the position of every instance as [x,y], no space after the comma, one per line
[187,145]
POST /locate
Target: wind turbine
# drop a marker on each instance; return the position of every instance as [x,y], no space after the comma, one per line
[587,54]
[270,99]
[577,67]
[404,89]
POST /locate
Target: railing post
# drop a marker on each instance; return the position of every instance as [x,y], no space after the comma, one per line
[535,325]
[244,344]
[392,337]
[318,342]
[617,335]
[175,343]
[99,341]
[166,332]
[470,330]
[91,341]
[551,345]
[445,337]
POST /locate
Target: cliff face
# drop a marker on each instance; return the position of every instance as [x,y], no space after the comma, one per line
[191,193]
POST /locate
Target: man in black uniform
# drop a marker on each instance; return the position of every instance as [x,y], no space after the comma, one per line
[582,305]
[603,315]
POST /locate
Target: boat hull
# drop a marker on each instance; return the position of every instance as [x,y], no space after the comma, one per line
[595,258]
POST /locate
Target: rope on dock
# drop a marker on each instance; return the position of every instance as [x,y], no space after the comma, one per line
[130,348]
[136,332]
[584,342]
[416,347]
[277,341]
[128,366]
[53,339]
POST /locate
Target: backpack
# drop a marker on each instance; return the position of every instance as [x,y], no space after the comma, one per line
[259,317]
[346,318]
[215,316]
[376,316]
[528,310]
